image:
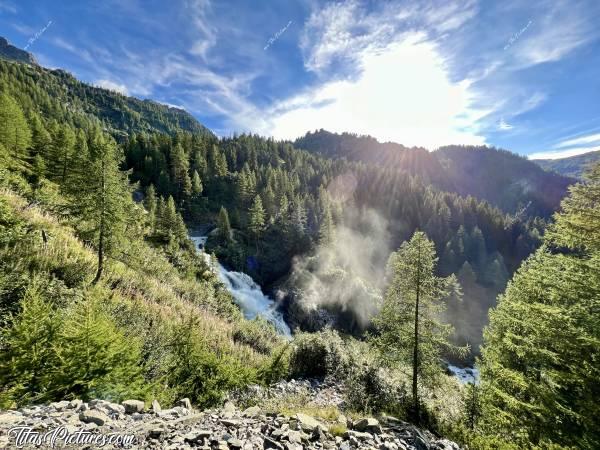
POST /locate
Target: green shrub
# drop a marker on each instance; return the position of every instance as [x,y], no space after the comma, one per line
[319,355]
[258,334]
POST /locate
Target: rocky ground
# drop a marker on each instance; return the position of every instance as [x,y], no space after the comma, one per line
[132,425]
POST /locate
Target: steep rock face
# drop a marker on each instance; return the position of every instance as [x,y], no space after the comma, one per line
[12,53]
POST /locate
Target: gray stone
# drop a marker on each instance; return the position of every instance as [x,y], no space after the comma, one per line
[234,443]
[270,443]
[155,433]
[93,416]
[253,411]
[367,424]
[156,407]
[229,407]
[197,436]
[184,403]
[133,406]
[230,422]
[308,423]
[358,435]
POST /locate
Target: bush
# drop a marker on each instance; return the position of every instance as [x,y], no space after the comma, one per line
[258,334]
[200,372]
[370,388]
[319,355]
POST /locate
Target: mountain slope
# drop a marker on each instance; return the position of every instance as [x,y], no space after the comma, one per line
[12,53]
[58,93]
[500,177]
[573,166]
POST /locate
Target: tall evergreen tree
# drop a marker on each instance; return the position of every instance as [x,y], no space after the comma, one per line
[223,225]
[541,355]
[103,197]
[409,330]
[257,217]
[15,134]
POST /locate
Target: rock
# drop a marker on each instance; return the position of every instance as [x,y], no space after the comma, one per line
[367,424]
[197,436]
[74,404]
[270,443]
[185,403]
[230,422]
[308,423]
[114,408]
[358,435]
[156,407]
[229,407]
[93,416]
[60,406]
[234,443]
[253,411]
[318,435]
[155,433]
[133,406]
[294,437]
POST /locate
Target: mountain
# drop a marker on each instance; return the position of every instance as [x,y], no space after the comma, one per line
[58,93]
[12,53]
[500,177]
[573,166]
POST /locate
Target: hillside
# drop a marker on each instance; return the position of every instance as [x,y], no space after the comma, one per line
[573,166]
[58,93]
[502,178]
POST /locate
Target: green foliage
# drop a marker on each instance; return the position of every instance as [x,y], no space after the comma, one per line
[318,355]
[540,359]
[15,134]
[408,326]
[198,372]
[53,354]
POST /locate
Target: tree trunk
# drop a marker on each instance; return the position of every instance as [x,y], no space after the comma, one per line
[102,227]
[415,375]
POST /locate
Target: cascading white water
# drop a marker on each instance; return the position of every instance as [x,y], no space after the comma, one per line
[246,292]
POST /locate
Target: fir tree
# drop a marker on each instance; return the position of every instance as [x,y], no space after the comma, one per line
[257,217]
[223,225]
[15,134]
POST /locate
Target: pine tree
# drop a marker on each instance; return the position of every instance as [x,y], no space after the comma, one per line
[539,367]
[257,217]
[408,327]
[27,359]
[15,134]
[196,184]
[97,359]
[223,225]
[180,173]
[62,149]
[102,197]
[151,206]
[326,230]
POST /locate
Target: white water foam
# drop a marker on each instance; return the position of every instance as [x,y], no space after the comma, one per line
[247,294]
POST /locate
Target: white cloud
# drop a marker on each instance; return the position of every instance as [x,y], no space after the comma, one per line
[557,154]
[589,139]
[403,94]
[504,126]
[112,86]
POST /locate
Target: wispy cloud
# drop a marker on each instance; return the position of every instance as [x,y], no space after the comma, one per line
[589,139]
[557,154]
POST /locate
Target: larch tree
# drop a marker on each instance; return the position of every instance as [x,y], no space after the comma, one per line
[408,327]
[102,197]
[15,134]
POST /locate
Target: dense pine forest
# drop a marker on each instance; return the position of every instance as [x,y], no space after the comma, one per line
[384,260]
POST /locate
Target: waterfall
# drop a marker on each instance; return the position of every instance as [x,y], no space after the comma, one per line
[247,294]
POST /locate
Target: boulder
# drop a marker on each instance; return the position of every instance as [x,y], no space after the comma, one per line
[133,406]
[156,407]
[253,411]
[93,416]
[367,424]
[308,423]
[271,443]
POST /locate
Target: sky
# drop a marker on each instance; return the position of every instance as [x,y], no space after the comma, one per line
[520,75]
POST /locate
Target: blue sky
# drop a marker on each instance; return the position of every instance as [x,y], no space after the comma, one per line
[522,75]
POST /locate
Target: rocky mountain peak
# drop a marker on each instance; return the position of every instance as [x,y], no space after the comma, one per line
[12,53]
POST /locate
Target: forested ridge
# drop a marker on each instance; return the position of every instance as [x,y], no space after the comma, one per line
[87,270]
